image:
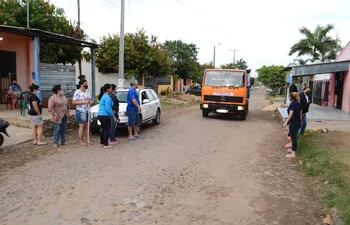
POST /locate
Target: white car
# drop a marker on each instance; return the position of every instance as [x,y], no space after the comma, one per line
[150,108]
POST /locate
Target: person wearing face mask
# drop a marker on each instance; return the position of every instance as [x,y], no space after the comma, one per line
[35,112]
[82,100]
[59,108]
[305,101]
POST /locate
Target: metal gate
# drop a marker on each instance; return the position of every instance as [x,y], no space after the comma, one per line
[51,74]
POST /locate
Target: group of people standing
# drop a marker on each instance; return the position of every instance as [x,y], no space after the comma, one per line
[108,114]
[297,119]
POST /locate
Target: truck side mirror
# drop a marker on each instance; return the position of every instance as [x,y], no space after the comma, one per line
[252,81]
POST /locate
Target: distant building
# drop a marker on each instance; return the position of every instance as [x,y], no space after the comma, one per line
[330,82]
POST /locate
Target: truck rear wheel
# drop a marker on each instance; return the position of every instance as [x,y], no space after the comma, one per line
[205,113]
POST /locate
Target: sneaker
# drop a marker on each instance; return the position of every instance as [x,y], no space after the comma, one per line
[289,150]
[107,147]
[55,146]
[139,137]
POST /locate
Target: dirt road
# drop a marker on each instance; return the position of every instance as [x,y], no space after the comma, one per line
[188,170]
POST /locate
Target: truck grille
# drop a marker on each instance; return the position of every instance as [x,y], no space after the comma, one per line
[215,98]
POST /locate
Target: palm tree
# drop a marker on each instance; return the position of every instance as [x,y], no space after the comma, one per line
[240,64]
[318,44]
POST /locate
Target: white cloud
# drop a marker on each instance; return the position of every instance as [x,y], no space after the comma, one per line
[263,31]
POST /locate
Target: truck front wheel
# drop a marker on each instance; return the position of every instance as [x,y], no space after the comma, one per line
[205,113]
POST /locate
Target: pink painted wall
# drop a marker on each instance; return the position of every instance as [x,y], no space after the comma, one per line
[346,93]
[343,56]
[22,46]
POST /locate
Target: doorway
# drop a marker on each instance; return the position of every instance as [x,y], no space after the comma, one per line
[7,72]
[338,90]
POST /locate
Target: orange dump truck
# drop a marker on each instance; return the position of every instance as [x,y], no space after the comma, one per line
[225,91]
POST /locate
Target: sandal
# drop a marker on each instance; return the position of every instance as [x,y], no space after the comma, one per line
[41,143]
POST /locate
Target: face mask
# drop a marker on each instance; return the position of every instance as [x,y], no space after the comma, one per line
[86,86]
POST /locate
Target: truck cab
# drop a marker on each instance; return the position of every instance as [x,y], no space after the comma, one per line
[225,91]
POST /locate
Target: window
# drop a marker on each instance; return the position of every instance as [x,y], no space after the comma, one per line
[154,94]
[150,95]
[144,96]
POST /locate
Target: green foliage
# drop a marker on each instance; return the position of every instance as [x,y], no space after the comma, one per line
[44,16]
[323,161]
[318,45]
[184,59]
[143,55]
[272,76]
[240,64]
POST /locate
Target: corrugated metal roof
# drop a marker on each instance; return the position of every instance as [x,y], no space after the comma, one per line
[46,35]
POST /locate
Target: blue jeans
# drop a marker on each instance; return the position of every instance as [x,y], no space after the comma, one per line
[59,131]
[303,125]
[293,133]
[113,136]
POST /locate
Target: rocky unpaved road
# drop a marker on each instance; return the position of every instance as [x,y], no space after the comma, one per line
[188,170]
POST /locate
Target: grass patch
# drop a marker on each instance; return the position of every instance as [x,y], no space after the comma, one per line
[328,162]
[168,105]
[275,98]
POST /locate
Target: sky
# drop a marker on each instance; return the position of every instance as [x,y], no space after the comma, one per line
[262,30]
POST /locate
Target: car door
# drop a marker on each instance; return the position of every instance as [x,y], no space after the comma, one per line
[146,105]
[154,105]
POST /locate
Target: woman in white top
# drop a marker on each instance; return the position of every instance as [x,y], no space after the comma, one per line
[82,100]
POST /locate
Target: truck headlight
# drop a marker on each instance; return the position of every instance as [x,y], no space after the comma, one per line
[240,108]
[205,106]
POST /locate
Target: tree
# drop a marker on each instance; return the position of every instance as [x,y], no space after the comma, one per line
[240,64]
[273,76]
[143,55]
[183,58]
[318,45]
[44,16]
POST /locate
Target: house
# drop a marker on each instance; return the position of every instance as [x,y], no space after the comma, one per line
[20,59]
[330,81]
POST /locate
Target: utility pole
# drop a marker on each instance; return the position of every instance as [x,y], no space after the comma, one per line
[121,46]
[79,14]
[79,61]
[27,14]
[214,57]
[234,55]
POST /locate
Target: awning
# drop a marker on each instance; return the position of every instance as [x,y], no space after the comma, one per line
[320,68]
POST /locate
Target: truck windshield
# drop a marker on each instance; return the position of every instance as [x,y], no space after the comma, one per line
[224,78]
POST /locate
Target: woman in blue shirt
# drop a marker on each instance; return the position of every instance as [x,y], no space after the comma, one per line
[105,114]
[294,123]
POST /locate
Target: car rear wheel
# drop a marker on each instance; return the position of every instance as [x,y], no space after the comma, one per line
[156,120]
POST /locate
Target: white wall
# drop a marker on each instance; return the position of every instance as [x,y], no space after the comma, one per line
[101,78]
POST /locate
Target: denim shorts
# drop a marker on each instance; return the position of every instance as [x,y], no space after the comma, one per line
[81,117]
[133,119]
[37,120]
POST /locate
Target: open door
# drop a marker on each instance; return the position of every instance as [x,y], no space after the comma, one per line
[7,72]
[338,90]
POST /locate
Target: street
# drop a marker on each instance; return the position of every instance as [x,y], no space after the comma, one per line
[188,170]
